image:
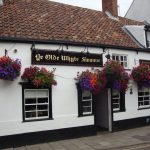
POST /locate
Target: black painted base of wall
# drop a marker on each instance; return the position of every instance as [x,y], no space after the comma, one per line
[45,136]
[131,123]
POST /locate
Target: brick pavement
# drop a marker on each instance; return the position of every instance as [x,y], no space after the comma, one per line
[122,140]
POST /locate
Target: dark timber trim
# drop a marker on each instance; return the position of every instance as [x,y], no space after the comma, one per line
[46,136]
[131,123]
[24,40]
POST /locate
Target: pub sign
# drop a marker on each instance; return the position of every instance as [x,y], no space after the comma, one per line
[51,57]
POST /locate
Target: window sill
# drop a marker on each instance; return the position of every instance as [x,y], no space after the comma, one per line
[24,121]
[86,115]
[143,108]
[118,111]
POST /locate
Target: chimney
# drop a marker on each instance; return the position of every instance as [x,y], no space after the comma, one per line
[110,6]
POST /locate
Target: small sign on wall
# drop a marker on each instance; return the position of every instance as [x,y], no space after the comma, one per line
[51,57]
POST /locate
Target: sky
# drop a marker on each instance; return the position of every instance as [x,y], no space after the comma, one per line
[96,4]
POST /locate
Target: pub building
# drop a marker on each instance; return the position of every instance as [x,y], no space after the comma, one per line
[67,39]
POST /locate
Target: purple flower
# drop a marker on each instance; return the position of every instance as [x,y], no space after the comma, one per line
[117,85]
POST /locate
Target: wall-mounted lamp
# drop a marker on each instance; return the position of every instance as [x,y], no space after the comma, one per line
[108,56]
[130,85]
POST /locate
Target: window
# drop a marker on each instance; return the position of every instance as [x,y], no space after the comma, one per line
[118,100]
[147,35]
[148,39]
[36,103]
[144,97]
[122,59]
[85,102]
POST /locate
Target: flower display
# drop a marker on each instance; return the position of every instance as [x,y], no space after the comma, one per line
[116,76]
[92,81]
[39,77]
[141,75]
[9,68]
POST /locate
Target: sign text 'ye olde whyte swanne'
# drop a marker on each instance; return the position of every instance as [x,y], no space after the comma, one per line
[47,57]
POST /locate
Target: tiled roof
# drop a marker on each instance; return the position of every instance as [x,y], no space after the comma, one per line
[44,20]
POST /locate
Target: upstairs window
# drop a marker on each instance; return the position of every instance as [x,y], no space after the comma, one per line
[122,59]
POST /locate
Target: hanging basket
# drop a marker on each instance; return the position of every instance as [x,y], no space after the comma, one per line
[9,68]
[116,76]
[141,75]
[93,81]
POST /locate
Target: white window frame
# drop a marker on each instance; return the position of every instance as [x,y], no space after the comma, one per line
[144,90]
[119,56]
[88,99]
[116,98]
[36,104]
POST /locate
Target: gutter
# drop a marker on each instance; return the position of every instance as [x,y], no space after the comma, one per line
[31,41]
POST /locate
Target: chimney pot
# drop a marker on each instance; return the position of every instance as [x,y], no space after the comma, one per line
[110,6]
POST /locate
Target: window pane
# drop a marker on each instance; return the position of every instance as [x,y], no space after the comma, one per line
[115,94]
[125,58]
[42,113]
[117,58]
[113,58]
[87,109]
[30,101]
[141,93]
[42,93]
[125,64]
[42,107]
[121,58]
[30,114]
[87,103]
[42,100]
[146,103]
[140,98]
[30,93]
[30,107]
[86,95]
[115,106]
[146,93]
[115,100]
[146,98]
